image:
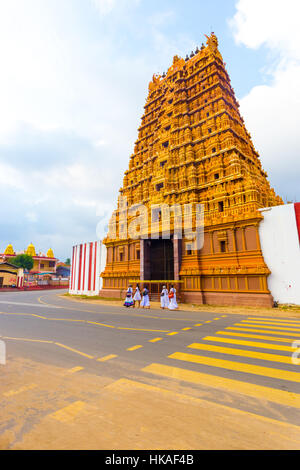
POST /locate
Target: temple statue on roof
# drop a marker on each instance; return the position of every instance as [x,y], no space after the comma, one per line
[193,147]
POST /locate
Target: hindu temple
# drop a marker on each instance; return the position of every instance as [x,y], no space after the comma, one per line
[193,147]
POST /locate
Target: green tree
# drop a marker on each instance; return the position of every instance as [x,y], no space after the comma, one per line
[24,261]
[68,262]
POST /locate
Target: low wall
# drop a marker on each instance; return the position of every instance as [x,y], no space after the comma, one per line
[15,289]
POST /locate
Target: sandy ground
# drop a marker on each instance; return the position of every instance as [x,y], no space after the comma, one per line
[47,407]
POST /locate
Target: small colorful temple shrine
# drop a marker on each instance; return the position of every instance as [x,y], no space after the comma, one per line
[44,271]
[41,262]
[193,147]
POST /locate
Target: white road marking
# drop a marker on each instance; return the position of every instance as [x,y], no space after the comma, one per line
[28,304]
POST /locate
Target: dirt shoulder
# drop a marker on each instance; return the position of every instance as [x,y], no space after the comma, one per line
[281,311]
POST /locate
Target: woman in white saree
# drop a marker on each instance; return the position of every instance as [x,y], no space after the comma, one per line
[172,297]
[164,298]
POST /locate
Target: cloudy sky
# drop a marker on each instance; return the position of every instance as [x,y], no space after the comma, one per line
[73,83]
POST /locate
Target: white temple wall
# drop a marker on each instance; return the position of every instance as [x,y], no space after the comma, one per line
[279,237]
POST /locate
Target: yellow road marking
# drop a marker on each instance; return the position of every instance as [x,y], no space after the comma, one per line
[133,348]
[268,327]
[242,352]
[114,313]
[142,329]
[154,340]
[100,324]
[18,314]
[289,320]
[185,329]
[68,413]
[28,339]
[256,344]
[271,323]
[25,388]
[158,318]
[247,335]
[86,321]
[198,324]
[74,370]
[66,319]
[49,342]
[257,391]
[238,366]
[107,358]
[42,302]
[173,333]
[253,330]
[74,350]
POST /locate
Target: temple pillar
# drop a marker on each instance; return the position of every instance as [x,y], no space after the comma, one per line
[177,247]
[145,260]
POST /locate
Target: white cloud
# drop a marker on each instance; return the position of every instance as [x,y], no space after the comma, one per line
[271,111]
[271,22]
[104,6]
[73,82]
[62,100]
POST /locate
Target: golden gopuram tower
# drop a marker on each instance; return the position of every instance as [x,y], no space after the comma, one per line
[193,148]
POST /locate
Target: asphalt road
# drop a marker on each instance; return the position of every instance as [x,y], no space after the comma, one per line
[243,362]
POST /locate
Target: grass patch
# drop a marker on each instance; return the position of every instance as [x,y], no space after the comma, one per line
[90,297]
[294,308]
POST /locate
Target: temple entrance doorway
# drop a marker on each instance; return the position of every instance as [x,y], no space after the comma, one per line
[160,265]
[161,259]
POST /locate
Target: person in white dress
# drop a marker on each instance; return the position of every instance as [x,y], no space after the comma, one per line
[137,296]
[172,297]
[145,303]
[164,298]
[129,300]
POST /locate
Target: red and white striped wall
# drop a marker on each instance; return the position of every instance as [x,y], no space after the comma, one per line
[20,281]
[86,268]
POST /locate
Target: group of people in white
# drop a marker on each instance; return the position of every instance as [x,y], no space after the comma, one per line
[141,299]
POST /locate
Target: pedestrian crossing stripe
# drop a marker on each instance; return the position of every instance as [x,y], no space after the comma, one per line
[68,413]
[292,325]
[254,330]
[287,320]
[268,327]
[74,370]
[247,335]
[242,352]
[238,366]
[230,385]
[255,344]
